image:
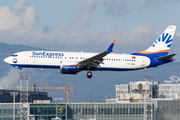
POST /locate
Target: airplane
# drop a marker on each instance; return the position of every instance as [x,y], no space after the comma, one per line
[74,62]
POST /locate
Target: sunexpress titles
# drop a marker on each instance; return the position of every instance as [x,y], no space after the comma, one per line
[50,54]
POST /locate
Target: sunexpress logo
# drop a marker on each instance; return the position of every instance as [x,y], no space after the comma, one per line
[165,39]
[47,54]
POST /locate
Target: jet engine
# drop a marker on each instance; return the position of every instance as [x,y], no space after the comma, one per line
[69,68]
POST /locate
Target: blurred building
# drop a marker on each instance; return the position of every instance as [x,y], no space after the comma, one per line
[142,100]
[135,91]
[169,91]
[33,96]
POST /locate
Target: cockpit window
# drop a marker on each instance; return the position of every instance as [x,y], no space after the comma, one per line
[14,55]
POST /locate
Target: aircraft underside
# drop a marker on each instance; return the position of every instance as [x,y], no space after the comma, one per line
[89,73]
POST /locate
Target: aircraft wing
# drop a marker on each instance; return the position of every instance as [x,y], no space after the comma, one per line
[97,59]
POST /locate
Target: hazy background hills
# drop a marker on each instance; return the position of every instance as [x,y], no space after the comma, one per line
[101,86]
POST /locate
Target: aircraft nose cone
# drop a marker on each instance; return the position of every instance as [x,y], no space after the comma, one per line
[6,60]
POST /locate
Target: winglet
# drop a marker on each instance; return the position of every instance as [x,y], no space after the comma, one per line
[111,47]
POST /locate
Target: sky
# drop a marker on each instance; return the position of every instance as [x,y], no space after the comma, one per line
[88,25]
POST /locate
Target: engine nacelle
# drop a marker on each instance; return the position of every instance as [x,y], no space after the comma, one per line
[69,68]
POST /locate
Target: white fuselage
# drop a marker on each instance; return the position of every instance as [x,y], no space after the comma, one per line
[53,59]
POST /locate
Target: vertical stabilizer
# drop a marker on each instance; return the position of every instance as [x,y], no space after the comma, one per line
[162,44]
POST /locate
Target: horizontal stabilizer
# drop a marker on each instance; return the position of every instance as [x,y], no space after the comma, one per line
[167,57]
